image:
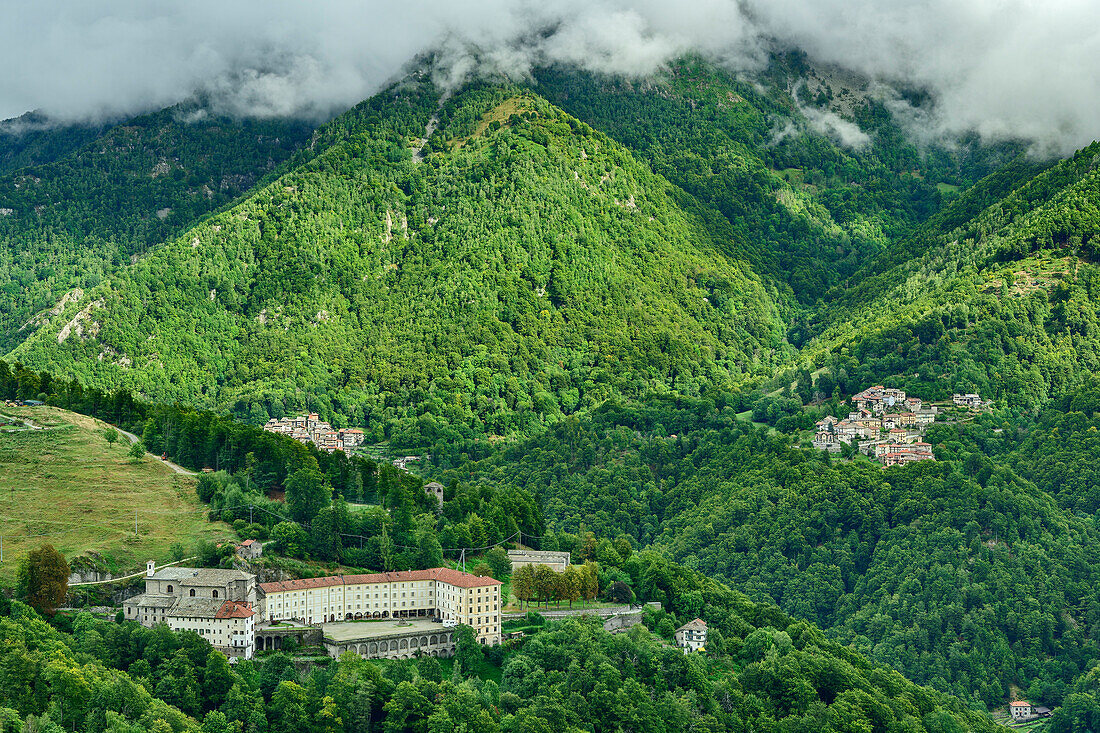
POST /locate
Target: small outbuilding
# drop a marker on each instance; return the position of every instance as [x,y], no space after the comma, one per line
[250,549]
[435,489]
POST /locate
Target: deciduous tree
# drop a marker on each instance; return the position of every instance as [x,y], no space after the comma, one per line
[306,494]
[44,579]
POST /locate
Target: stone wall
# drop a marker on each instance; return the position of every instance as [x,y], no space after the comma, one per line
[556,561]
[622,621]
[398,645]
[270,638]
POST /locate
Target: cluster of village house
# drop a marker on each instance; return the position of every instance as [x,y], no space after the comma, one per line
[312,429]
[886,424]
[413,612]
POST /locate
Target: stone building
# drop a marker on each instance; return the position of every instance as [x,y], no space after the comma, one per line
[217,604]
[435,489]
[250,549]
[556,561]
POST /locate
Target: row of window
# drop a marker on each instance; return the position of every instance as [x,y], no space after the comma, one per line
[213,593]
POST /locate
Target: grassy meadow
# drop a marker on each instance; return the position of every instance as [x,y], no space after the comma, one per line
[66,485]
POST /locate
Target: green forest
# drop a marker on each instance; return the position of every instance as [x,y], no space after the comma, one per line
[967,574]
[74,210]
[764,672]
[607,313]
[525,272]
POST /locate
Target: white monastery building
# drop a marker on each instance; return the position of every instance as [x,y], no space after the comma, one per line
[437,593]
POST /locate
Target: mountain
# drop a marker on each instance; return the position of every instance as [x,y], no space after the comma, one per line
[518,265]
[997,294]
[521,265]
[34,139]
[586,290]
[961,574]
[85,201]
[806,207]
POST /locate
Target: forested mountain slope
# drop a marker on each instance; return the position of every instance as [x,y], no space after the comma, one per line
[516,228]
[521,266]
[70,218]
[763,671]
[33,139]
[804,207]
[998,295]
[960,573]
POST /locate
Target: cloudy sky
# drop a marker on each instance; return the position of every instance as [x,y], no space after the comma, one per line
[1025,68]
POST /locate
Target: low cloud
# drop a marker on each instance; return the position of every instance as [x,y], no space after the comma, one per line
[837,128]
[1002,68]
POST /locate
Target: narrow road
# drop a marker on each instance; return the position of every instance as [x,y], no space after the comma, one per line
[28,424]
[564,612]
[177,468]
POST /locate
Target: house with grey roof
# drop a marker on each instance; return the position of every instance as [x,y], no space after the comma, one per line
[215,603]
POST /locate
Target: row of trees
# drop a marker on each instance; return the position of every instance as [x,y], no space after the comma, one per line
[542,584]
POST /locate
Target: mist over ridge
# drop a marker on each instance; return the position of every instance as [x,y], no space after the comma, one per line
[1002,68]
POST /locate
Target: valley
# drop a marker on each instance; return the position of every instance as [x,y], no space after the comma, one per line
[832,402]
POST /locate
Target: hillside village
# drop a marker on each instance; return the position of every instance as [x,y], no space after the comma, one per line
[312,429]
[886,424]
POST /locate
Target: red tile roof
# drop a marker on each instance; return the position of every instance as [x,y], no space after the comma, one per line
[693,624]
[234,609]
[446,575]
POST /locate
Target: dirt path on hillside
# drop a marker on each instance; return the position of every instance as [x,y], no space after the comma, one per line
[175,467]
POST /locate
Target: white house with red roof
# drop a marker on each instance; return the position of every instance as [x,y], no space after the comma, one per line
[1021,710]
[692,636]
